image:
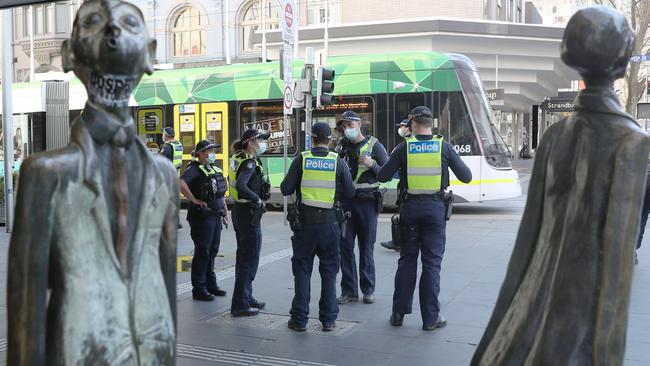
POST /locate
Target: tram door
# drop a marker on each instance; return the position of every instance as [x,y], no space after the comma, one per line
[205,121]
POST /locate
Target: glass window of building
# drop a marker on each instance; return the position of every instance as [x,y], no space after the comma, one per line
[251,21]
[316,11]
[49,21]
[38,20]
[62,13]
[188,33]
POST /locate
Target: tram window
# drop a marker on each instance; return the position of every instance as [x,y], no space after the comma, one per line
[494,147]
[455,122]
[364,106]
[269,116]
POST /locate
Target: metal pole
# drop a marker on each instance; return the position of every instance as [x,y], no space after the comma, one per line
[227,36]
[327,34]
[263,2]
[7,113]
[296,32]
[496,73]
[31,44]
[309,75]
[285,154]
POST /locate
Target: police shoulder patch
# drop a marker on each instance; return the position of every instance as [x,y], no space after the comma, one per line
[250,165]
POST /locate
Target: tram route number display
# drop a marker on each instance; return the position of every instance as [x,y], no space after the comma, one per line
[276,128]
[463,149]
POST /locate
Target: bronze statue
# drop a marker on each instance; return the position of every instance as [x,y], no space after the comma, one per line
[565,297]
[93,253]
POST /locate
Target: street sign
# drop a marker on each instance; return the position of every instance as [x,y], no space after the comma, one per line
[288,99]
[287,54]
[639,58]
[643,110]
[13,3]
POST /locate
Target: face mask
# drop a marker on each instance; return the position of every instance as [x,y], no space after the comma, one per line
[261,148]
[212,158]
[352,133]
[403,133]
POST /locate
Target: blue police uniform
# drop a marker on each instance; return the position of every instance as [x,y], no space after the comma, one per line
[320,235]
[424,217]
[249,184]
[363,222]
[205,229]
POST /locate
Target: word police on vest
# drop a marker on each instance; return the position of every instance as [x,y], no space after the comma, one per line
[421,147]
[319,164]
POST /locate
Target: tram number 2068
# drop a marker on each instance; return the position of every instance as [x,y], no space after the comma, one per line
[463,149]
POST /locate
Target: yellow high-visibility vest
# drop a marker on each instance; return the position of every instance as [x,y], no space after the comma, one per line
[366,149]
[177,157]
[235,163]
[318,183]
[424,165]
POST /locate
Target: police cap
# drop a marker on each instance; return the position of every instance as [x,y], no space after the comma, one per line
[168,131]
[321,129]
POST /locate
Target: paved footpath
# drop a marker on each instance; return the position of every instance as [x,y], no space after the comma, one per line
[479,241]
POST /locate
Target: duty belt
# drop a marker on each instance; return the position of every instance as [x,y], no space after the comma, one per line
[424,197]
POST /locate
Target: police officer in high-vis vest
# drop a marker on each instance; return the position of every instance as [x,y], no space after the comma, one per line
[423,161]
[171,149]
[364,156]
[204,185]
[320,180]
[249,188]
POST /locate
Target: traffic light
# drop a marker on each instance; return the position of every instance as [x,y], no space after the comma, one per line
[325,87]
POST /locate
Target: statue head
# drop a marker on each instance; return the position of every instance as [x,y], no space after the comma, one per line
[598,43]
[109,50]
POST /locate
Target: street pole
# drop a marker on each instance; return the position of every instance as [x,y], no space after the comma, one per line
[263,2]
[496,73]
[327,34]
[7,113]
[309,75]
[227,37]
[31,44]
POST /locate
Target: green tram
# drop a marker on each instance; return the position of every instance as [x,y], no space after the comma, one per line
[219,103]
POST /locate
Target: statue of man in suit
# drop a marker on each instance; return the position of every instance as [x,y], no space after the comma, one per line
[93,252]
[566,294]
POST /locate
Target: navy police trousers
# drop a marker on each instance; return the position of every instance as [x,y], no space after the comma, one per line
[206,234]
[362,225]
[320,240]
[249,245]
[423,232]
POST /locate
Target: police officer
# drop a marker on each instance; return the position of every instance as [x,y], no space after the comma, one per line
[171,149]
[364,156]
[404,131]
[320,179]
[204,185]
[249,188]
[423,161]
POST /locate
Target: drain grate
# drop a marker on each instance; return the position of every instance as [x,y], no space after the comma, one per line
[3,345]
[279,321]
[237,358]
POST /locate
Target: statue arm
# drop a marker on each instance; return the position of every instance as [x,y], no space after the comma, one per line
[168,237]
[29,250]
[619,243]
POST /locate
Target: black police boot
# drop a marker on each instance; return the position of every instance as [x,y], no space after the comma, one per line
[244,312]
[217,292]
[202,296]
[390,245]
[294,326]
[328,327]
[396,319]
[440,323]
[257,304]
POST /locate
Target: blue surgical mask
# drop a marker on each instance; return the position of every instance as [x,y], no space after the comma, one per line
[352,133]
[261,148]
[212,158]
